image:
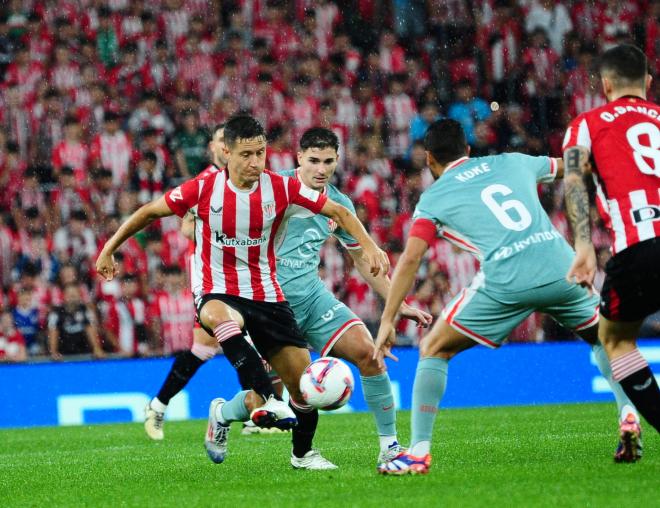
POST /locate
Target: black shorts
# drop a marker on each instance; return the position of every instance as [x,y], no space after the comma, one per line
[271,325]
[631,290]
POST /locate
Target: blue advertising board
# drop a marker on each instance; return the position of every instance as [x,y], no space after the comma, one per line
[78,393]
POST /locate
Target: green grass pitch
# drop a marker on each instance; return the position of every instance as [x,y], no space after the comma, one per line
[558,455]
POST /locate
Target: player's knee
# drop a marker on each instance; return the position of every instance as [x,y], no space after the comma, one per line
[214,313]
[436,349]
[366,364]
[204,352]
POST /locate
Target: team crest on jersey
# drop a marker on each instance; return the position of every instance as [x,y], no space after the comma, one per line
[332,225]
[269,210]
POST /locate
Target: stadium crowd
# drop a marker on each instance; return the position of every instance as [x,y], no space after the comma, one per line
[105,104]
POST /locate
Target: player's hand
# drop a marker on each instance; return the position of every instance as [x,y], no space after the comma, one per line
[423,319]
[384,341]
[583,269]
[106,266]
[377,260]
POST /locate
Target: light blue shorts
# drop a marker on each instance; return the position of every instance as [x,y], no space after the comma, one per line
[488,317]
[323,319]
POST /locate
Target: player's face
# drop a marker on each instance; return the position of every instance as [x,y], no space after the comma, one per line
[246,159]
[217,147]
[317,165]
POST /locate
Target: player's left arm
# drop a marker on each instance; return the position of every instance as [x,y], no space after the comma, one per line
[374,257]
[381,284]
[402,280]
[577,166]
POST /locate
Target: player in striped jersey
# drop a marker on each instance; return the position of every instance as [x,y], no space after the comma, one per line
[622,138]
[239,215]
[205,346]
[327,324]
[489,206]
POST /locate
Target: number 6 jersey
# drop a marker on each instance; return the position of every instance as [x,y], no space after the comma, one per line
[490,207]
[624,139]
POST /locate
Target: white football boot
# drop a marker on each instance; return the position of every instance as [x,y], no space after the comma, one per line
[313,460]
[153,423]
[217,433]
[274,413]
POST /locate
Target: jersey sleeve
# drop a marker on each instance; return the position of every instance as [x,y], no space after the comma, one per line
[302,195]
[425,224]
[184,197]
[577,134]
[344,238]
[545,168]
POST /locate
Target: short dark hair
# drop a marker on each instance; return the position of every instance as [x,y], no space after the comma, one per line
[318,137]
[242,127]
[624,64]
[445,140]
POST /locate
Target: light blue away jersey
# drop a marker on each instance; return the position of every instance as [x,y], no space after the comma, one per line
[298,254]
[489,206]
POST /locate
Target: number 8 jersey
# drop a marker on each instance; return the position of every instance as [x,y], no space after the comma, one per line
[624,139]
[490,207]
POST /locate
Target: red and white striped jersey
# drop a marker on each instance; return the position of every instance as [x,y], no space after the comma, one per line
[176,313]
[624,139]
[236,231]
[115,152]
[123,318]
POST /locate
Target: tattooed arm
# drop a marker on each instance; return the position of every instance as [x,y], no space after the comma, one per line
[576,166]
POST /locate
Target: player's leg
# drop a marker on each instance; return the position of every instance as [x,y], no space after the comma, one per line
[226,323]
[331,328]
[576,308]
[623,403]
[357,346]
[630,293]
[290,362]
[436,349]
[629,367]
[473,316]
[182,371]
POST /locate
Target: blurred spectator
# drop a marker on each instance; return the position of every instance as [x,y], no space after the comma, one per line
[107,41]
[172,313]
[150,117]
[25,315]
[149,180]
[552,16]
[125,326]
[71,327]
[279,156]
[400,110]
[428,113]
[189,146]
[72,152]
[12,343]
[468,109]
[112,149]
[75,241]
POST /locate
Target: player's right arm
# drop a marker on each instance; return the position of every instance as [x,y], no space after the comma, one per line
[177,201]
[140,219]
[576,167]
[402,280]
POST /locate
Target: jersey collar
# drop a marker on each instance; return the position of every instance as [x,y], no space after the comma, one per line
[455,163]
[297,171]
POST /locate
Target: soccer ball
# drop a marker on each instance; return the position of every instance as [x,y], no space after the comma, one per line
[327,383]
